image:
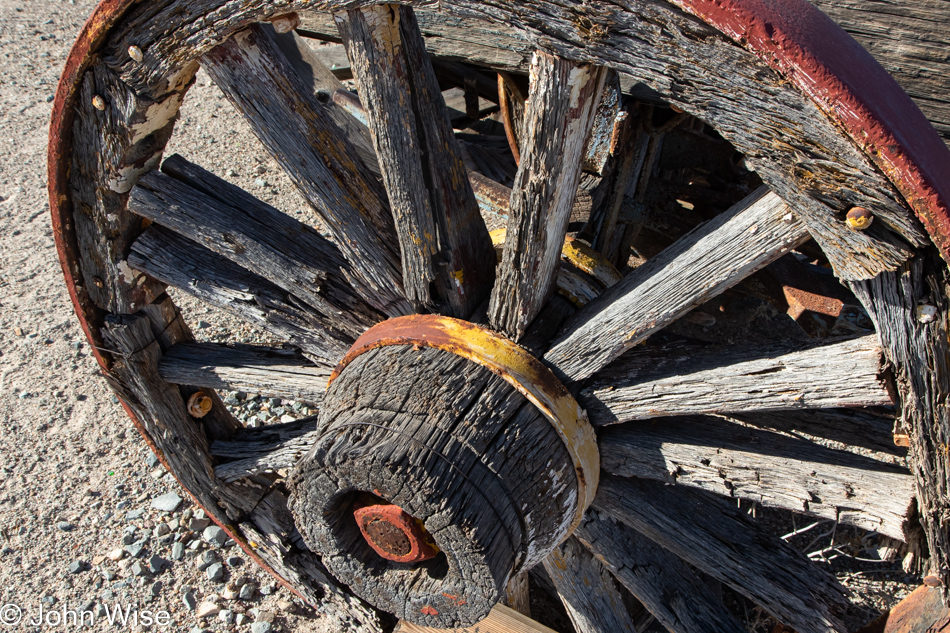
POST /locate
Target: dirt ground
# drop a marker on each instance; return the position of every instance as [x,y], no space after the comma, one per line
[79,530]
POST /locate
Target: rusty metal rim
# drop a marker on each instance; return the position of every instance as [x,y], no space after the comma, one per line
[106,14]
[817,56]
[512,363]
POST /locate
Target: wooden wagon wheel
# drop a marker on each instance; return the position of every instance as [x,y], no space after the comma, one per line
[447,459]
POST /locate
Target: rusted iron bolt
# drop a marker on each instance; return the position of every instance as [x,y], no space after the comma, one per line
[199,405]
[859,218]
[136,53]
[394,534]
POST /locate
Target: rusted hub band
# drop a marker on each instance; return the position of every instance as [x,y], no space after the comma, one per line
[517,367]
[394,534]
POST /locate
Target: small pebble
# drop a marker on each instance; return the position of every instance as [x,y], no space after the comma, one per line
[214,535]
[247,592]
[135,549]
[65,526]
[262,627]
[156,588]
[168,502]
[116,554]
[156,563]
[264,616]
[215,572]
[198,524]
[234,561]
[138,569]
[191,603]
[207,609]
[226,616]
[178,551]
[206,560]
[77,567]
[152,460]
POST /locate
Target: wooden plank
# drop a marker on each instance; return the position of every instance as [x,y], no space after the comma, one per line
[699,266]
[518,593]
[771,469]
[502,619]
[915,340]
[666,586]
[587,590]
[910,39]
[266,242]
[558,117]
[720,540]
[444,243]
[207,276]
[321,161]
[683,379]
[160,411]
[269,371]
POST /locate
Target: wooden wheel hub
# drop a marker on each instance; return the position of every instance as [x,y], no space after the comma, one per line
[447,447]
[394,534]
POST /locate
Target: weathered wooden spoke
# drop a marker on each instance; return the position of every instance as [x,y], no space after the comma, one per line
[446,252]
[719,540]
[672,592]
[558,117]
[174,260]
[268,371]
[680,379]
[293,125]
[702,264]
[765,467]
[587,590]
[266,449]
[227,220]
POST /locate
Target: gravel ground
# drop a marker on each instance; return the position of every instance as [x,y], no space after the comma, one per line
[89,521]
[82,521]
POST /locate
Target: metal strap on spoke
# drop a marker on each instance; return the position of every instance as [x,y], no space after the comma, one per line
[512,363]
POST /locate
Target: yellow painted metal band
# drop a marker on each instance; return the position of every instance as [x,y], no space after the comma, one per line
[517,367]
[590,261]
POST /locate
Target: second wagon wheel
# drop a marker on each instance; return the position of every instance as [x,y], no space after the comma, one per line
[446,459]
